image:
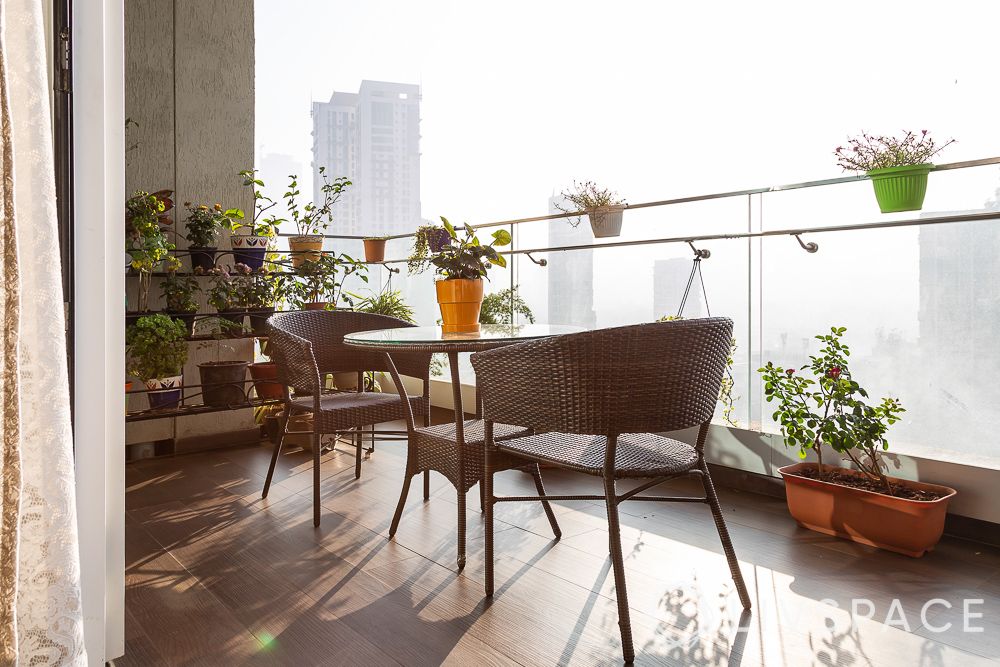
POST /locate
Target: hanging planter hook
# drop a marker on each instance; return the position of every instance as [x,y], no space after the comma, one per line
[699,254]
[809,247]
[539,262]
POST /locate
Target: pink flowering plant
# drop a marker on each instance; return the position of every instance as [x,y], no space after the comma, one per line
[831,408]
[869,152]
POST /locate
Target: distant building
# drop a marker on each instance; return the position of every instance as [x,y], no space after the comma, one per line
[571,273]
[373,138]
[670,277]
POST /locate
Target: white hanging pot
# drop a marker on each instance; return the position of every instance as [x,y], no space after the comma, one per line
[606,222]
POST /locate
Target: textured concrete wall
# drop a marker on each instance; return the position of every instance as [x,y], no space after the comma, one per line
[189,90]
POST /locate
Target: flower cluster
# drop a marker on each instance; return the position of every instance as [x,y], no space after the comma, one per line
[869,152]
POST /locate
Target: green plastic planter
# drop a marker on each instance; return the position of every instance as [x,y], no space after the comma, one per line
[900,188]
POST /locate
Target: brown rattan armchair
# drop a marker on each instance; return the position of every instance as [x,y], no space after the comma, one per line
[589,421]
[457,453]
[306,346]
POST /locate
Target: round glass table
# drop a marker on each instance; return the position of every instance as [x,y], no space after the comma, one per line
[432,339]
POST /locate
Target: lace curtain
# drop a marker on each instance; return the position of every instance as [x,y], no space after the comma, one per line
[41,619]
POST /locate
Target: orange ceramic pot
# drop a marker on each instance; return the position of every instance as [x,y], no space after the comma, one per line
[909,527]
[460,300]
[305,248]
[374,250]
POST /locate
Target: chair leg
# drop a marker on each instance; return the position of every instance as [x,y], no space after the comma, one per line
[461,529]
[358,449]
[316,439]
[537,474]
[482,496]
[274,459]
[402,502]
[617,559]
[486,486]
[427,485]
[727,544]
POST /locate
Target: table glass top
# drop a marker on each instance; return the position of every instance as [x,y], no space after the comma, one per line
[487,332]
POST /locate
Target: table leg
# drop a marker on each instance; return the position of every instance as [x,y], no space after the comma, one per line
[456,387]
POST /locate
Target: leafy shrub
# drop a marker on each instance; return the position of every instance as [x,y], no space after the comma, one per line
[156,347]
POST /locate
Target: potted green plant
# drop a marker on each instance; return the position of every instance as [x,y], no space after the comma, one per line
[180,298]
[227,294]
[862,503]
[251,240]
[145,242]
[387,302]
[319,283]
[312,219]
[375,248]
[263,290]
[426,240]
[603,207]
[462,264]
[157,351]
[897,166]
[500,308]
[203,226]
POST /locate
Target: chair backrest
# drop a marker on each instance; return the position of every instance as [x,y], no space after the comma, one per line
[293,357]
[325,330]
[645,378]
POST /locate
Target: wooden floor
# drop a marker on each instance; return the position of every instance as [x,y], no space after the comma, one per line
[216,576]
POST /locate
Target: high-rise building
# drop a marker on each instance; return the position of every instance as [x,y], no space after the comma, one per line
[670,277]
[373,138]
[571,273]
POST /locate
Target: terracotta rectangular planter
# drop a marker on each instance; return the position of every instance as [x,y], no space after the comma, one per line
[908,527]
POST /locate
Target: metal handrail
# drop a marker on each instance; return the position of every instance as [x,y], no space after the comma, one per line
[948,166]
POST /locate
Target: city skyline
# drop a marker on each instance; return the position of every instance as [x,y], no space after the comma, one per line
[372,138]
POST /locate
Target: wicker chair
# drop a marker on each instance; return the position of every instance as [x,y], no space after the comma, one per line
[589,421]
[309,344]
[457,453]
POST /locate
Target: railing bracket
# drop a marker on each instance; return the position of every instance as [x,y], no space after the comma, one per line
[699,254]
[539,262]
[809,247]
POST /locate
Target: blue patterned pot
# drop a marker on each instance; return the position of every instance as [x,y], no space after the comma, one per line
[164,393]
[249,250]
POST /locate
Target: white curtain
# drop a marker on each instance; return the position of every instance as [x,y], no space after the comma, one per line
[41,620]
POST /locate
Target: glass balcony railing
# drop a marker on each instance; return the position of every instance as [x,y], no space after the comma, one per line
[916,294]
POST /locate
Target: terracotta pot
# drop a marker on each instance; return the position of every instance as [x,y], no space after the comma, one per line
[128,388]
[909,527]
[460,300]
[374,250]
[316,305]
[305,248]
[265,380]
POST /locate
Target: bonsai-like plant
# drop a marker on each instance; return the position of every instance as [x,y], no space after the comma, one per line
[179,293]
[313,218]
[830,408]
[466,257]
[156,347]
[145,242]
[499,308]
[260,224]
[322,280]
[386,302]
[869,152]
[587,196]
[204,223]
